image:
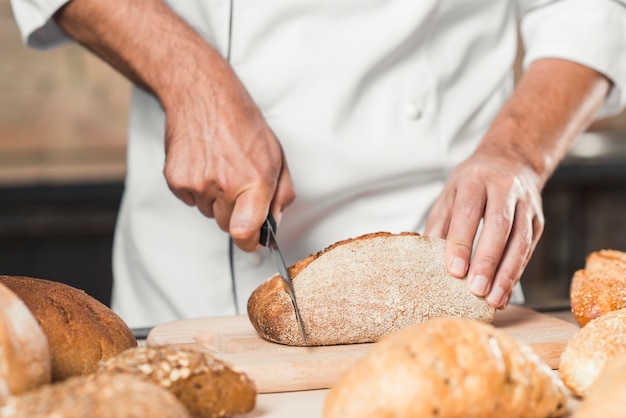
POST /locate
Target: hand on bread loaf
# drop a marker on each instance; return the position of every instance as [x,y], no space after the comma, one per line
[361,289]
[448,368]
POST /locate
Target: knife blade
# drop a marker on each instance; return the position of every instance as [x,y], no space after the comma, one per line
[268,239]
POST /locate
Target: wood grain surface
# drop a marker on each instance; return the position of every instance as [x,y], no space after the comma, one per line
[280,368]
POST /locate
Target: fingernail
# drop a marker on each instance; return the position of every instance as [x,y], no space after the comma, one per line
[478,285]
[496,296]
[457,268]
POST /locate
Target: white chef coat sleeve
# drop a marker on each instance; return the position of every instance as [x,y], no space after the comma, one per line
[34,19]
[589,32]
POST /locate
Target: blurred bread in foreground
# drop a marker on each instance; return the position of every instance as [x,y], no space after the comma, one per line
[80,330]
[448,368]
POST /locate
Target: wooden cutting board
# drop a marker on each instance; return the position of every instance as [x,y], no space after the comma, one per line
[280,368]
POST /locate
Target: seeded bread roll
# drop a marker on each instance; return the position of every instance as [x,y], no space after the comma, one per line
[606,395]
[80,330]
[208,387]
[361,289]
[586,354]
[24,353]
[448,368]
[600,287]
[110,396]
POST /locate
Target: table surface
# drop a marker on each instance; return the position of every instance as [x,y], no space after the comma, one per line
[310,404]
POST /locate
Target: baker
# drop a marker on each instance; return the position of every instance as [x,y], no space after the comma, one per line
[344,116]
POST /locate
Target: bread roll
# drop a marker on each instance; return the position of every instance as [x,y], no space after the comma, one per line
[600,287]
[586,354]
[607,394]
[448,368]
[24,353]
[207,386]
[360,289]
[81,331]
[90,396]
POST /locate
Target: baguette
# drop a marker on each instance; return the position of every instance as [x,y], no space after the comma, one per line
[208,387]
[24,353]
[448,368]
[80,330]
[110,396]
[586,354]
[600,287]
[361,289]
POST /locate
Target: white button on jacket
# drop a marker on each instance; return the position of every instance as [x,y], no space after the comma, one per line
[373,101]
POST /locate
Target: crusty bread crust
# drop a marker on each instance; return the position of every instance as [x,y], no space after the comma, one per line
[445,368]
[97,396]
[24,353]
[600,287]
[80,330]
[606,395]
[586,354]
[205,385]
[361,289]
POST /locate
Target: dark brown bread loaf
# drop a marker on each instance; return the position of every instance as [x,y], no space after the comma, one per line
[208,387]
[448,368]
[361,289]
[80,330]
[600,287]
[96,396]
[24,353]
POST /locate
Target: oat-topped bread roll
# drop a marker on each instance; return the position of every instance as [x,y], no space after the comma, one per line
[586,354]
[208,387]
[448,368]
[81,330]
[360,289]
[600,287]
[96,396]
[606,395]
[24,354]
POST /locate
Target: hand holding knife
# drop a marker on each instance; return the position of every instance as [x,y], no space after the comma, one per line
[268,239]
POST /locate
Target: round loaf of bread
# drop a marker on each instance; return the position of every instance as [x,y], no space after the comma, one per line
[586,354]
[24,354]
[80,330]
[448,368]
[600,287]
[208,387]
[111,396]
[606,395]
[361,289]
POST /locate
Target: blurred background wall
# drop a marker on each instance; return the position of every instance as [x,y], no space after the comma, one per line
[63,117]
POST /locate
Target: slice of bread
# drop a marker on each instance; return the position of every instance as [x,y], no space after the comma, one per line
[361,289]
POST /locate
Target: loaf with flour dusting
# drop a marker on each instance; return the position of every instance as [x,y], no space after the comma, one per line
[361,289]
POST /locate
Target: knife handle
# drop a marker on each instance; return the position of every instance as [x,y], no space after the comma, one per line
[269,223]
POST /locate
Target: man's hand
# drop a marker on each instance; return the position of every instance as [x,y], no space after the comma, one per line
[501,182]
[220,154]
[506,196]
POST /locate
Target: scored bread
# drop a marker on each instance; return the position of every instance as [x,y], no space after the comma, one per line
[208,387]
[97,396]
[448,368]
[24,354]
[588,351]
[80,330]
[600,287]
[361,289]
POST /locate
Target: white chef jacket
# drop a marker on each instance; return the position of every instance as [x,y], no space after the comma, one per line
[373,101]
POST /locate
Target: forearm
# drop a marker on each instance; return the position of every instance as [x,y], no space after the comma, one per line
[144,40]
[554,102]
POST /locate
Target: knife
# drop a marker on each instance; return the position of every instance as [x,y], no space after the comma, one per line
[268,239]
